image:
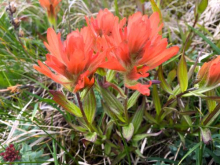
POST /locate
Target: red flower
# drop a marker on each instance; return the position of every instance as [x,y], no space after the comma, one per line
[73,61]
[209,74]
[137,48]
[50,6]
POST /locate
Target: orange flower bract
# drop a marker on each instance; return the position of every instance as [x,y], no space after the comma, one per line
[136,48]
[50,6]
[132,48]
[209,74]
[73,61]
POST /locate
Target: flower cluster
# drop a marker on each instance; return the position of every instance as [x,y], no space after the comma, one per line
[130,47]
[10,154]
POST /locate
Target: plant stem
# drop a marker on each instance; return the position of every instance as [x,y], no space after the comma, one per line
[82,111]
[125,106]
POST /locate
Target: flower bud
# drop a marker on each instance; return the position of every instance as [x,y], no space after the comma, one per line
[16,22]
[13,8]
[209,74]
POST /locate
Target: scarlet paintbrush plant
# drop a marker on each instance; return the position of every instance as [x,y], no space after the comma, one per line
[136,48]
[51,6]
[209,74]
[73,61]
[106,42]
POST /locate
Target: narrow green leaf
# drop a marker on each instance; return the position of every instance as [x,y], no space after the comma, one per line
[210,117]
[163,83]
[116,8]
[211,103]
[155,8]
[101,71]
[189,152]
[110,75]
[171,76]
[127,131]
[78,128]
[133,99]
[149,117]
[114,114]
[119,157]
[156,100]
[138,117]
[89,105]
[167,111]
[214,47]
[70,107]
[55,153]
[34,111]
[142,136]
[117,88]
[111,100]
[188,120]
[162,159]
[107,149]
[199,91]
[182,74]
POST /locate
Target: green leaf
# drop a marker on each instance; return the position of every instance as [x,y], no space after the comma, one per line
[163,83]
[111,100]
[167,111]
[138,117]
[149,117]
[78,128]
[211,103]
[142,136]
[202,6]
[113,113]
[107,149]
[214,47]
[101,71]
[70,107]
[188,119]
[171,76]
[34,111]
[182,74]
[133,99]
[92,136]
[162,159]
[110,75]
[199,91]
[155,8]
[89,106]
[117,88]
[119,157]
[127,131]
[156,100]
[189,152]
[210,117]
[116,8]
